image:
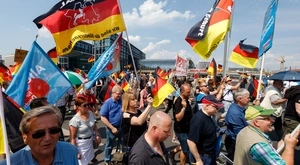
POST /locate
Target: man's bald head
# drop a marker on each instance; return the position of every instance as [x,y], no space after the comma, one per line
[158,118]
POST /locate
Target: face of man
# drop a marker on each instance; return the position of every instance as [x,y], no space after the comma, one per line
[186,91]
[278,85]
[265,123]
[117,95]
[211,109]
[42,145]
[163,131]
[204,88]
[244,100]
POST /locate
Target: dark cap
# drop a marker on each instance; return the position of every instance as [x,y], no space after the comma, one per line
[210,99]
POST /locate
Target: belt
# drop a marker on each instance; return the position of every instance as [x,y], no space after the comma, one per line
[80,138]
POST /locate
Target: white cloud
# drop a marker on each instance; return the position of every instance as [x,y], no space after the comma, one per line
[134,39]
[44,32]
[153,46]
[166,54]
[151,13]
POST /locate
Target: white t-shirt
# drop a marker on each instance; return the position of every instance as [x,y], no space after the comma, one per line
[227,95]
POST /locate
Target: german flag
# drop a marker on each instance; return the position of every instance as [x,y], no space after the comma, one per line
[91,59]
[5,73]
[13,114]
[220,68]
[205,36]
[160,91]
[72,21]
[15,68]
[53,55]
[125,85]
[115,75]
[245,55]
[122,74]
[212,69]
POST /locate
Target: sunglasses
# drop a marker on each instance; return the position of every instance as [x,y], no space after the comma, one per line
[41,133]
[204,85]
[84,105]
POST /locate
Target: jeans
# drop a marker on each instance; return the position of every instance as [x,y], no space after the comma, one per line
[110,144]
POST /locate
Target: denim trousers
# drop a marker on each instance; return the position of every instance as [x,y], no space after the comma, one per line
[111,142]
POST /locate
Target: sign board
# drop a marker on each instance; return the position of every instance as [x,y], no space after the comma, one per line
[20,55]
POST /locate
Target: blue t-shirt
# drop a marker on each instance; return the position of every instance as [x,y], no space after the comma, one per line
[65,154]
[112,110]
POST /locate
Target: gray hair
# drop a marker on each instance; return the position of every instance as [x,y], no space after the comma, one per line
[48,109]
[116,88]
[240,93]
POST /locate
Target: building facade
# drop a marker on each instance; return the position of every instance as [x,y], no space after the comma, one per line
[78,58]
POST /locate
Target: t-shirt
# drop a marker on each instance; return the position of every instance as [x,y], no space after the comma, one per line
[227,93]
[85,128]
[203,132]
[112,110]
[183,125]
[136,130]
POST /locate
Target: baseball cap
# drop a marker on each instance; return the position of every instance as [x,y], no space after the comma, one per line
[254,111]
[210,99]
[228,79]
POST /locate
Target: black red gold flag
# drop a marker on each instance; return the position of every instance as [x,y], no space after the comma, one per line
[205,36]
[245,55]
[72,21]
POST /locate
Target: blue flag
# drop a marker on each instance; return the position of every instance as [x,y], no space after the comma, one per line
[37,77]
[105,65]
[266,40]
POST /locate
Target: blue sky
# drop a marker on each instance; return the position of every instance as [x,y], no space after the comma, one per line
[159,27]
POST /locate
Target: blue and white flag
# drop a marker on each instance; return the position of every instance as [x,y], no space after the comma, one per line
[266,40]
[37,77]
[107,63]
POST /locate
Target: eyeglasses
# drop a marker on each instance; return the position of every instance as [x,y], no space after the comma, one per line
[204,85]
[41,133]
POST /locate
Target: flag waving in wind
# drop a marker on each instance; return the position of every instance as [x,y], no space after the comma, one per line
[205,36]
[160,91]
[212,69]
[37,77]
[245,55]
[72,21]
[107,63]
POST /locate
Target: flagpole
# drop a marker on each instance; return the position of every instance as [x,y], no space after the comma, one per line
[227,43]
[260,75]
[134,67]
[3,125]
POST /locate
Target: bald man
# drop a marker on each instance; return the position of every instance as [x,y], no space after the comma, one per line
[149,148]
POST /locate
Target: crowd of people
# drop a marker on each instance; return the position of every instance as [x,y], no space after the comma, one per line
[200,110]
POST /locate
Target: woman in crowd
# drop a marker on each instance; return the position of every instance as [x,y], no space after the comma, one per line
[134,121]
[82,131]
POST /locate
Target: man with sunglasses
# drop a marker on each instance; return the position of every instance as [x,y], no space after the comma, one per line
[40,129]
[253,145]
[202,137]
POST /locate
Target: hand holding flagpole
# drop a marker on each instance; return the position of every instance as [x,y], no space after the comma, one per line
[281,147]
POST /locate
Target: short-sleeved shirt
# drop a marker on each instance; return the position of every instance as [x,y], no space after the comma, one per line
[85,128]
[203,132]
[227,94]
[143,154]
[290,110]
[182,126]
[65,154]
[112,110]
[136,130]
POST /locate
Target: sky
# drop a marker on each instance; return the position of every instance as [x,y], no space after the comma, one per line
[159,28]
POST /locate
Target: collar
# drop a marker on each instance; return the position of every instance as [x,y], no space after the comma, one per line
[260,133]
[241,108]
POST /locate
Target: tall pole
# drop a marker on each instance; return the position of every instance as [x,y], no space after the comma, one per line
[227,44]
[134,67]
[260,75]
